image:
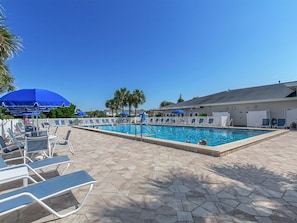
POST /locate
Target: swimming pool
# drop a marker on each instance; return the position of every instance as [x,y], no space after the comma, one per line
[214,136]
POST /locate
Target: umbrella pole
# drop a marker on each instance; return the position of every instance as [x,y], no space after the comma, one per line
[37,129]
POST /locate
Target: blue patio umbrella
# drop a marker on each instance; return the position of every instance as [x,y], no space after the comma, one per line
[27,114]
[178,111]
[124,114]
[81,114]
[33,100]
[19,111]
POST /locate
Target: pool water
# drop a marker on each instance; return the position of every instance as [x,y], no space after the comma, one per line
[214,136]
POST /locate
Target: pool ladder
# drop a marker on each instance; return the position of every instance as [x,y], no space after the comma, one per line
[149,128]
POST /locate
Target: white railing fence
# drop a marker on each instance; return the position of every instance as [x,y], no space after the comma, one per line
[184,121]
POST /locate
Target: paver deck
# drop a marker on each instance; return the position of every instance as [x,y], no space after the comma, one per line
[141,182]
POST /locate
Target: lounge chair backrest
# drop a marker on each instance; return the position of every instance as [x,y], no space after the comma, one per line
[19,128]
[68,135]
[15,145]
[281,122]
[265,121]
[33,144]
[12,136]
[2,142]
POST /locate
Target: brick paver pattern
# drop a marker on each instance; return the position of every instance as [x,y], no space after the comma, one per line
[140,182]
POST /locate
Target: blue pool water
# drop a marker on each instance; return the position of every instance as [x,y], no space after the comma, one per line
[214,136]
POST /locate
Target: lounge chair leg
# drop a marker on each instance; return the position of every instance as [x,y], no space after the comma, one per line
[71,148]
[59,215]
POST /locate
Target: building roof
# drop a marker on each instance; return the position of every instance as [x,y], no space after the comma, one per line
[272,92]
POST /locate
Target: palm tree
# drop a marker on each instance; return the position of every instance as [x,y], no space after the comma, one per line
[138,98]
[130,103]
[10,44]
[6,80]
[108,104]
[112,104]
[121,96]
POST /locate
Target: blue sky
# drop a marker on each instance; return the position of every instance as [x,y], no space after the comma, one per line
[87,49]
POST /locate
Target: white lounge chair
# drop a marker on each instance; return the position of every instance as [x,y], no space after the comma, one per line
[56,131]
[39,165]
[210,121]
[201,121]
[8,174]
[13,138]
[20,128]
[64,142]
[38,192]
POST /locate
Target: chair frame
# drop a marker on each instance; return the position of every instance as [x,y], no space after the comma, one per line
[281,123]
[11,148]
[14,139]
[35,193]
[39,165]
[64,142]
[19,129]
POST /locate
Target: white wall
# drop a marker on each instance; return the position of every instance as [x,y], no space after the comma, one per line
[224,117]
[255,118]
[291,116]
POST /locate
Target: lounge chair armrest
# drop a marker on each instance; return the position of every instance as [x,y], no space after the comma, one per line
[13,173]
[19,158]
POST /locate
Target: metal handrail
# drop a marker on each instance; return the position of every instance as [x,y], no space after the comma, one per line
[147,127]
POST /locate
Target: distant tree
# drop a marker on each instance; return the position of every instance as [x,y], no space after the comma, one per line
[130,103]
[96,113]
[180,99]
[113,105]
[108,104]
[10,44]
[121,96]
[4,114]
[165,103]
[62,112]
[138,98]
[150,113]
[99,113]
